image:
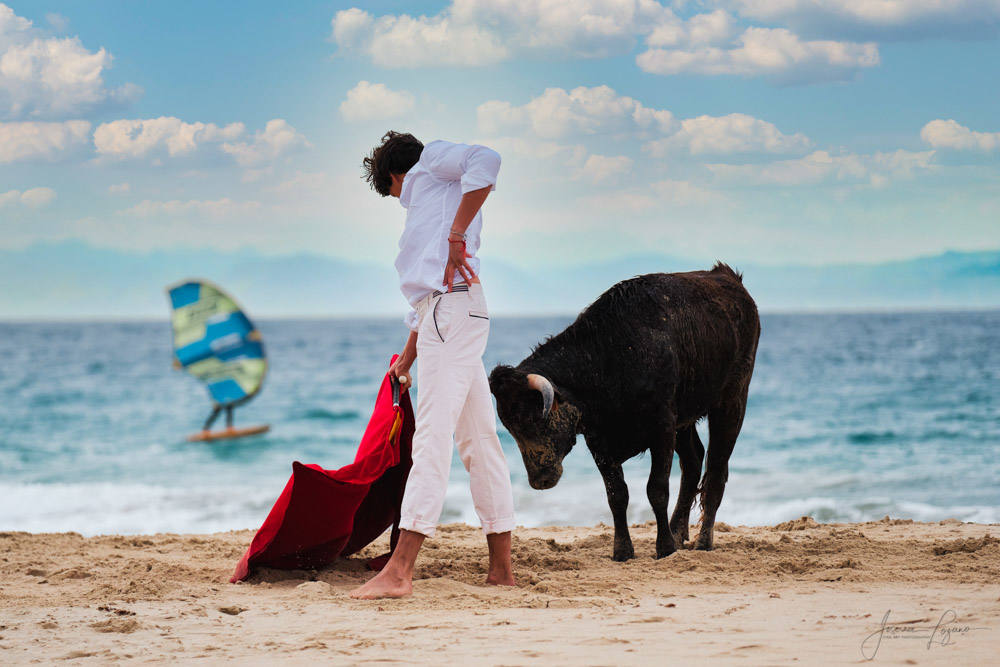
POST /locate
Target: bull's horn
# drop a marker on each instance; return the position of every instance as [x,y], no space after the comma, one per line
[540,384]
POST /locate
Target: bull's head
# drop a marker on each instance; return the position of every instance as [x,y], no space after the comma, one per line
[542,421]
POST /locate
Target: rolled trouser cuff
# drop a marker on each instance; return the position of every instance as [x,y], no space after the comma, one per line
[425,528]
[501,525]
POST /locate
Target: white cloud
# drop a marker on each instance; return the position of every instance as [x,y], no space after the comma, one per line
[822,167]
[51,77]
[352,28]
[138,138]
[278,138]
[30,140]
[119,188]
[375,101]
[951,134]
[603,168]
[582,28]
[482,32]
[558,113]
[33,198]
[11,25]
[878,19]
[717,27]
[218,208]
[775,52]
[734,133]
[37,197]
[405,41]
[130,139]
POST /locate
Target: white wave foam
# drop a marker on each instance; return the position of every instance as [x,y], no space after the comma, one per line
[131,509]
[108,508]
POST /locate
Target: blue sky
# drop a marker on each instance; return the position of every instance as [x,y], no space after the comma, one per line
[765,131]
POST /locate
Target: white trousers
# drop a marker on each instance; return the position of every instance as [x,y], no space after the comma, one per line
[454,402]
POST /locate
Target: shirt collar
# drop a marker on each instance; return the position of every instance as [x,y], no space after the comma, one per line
[407,189]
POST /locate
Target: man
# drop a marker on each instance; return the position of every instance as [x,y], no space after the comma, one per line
[442,186]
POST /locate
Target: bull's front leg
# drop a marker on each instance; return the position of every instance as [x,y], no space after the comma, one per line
[614,484]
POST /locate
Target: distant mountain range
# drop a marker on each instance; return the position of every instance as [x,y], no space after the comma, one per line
[76,280]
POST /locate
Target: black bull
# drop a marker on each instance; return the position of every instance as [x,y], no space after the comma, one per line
[635,372]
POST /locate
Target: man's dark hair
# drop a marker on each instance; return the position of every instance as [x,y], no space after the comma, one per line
[395,155]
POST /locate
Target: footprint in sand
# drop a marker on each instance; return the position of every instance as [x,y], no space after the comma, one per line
[233,610]
[122,625]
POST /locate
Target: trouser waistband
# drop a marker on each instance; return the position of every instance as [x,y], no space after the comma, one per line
[457,287]
[423,304]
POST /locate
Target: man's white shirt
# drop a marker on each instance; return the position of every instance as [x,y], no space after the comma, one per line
[432,190]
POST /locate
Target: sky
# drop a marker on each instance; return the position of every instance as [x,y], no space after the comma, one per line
[765,131]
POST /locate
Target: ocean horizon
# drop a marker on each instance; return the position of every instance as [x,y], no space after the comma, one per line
[569,317]
[851,417]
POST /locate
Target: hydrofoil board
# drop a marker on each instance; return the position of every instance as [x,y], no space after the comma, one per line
[228,434]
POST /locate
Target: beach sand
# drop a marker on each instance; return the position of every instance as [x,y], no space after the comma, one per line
[797,592]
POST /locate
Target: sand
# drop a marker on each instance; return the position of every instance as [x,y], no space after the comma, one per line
[796,592]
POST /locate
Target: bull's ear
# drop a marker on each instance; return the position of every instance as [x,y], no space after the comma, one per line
[501,377]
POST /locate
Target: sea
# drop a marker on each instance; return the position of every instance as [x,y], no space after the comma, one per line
[851,417]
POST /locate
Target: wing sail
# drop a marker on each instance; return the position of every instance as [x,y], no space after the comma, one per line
[216,342]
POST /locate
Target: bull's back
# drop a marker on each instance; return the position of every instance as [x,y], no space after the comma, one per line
[715,328]
[705,322]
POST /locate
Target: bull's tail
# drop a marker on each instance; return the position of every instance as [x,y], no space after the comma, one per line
[700,497]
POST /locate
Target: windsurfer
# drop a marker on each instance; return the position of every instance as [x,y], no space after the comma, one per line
[215,415]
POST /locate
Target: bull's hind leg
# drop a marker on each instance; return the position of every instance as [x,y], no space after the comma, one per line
[724,423]
[658,492]
[614,484]
[691,454]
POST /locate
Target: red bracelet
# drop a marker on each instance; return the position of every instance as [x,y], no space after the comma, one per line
[453,241]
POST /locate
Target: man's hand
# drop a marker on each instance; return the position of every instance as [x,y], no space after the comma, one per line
[401,367]
[458,261]
[457,256]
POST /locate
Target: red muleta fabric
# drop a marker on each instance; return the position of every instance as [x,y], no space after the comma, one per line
[324,514]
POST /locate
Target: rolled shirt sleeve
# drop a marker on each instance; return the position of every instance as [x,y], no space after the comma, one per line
[482,168]
[412,321]
[475,166]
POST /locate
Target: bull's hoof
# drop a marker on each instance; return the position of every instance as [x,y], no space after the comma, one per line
[665,545]
[623,554]
[680,532]
[703,543]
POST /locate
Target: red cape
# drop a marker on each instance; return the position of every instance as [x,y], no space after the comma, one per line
[324,514]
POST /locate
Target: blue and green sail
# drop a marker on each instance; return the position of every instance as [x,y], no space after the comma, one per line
[216,342]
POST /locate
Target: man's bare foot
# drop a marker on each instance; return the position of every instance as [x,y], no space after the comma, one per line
[500,579]
[385,584]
